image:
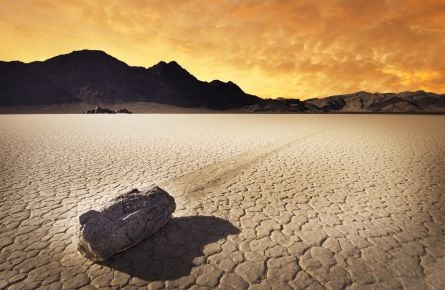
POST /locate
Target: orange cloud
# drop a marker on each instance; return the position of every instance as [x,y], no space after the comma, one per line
[272,48]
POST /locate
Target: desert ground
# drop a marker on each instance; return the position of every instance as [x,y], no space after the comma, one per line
[263,201]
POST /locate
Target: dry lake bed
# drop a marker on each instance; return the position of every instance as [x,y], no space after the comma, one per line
[263,201]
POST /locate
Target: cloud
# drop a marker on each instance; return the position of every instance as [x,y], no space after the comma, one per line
[272,48]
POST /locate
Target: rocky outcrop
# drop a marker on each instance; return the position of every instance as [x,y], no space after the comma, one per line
[124,222]
[100,110]
[123,111]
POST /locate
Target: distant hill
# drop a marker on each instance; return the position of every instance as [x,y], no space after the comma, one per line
[86,78]
[405,102]
[360,102]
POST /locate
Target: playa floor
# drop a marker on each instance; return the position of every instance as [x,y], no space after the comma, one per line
[263,201]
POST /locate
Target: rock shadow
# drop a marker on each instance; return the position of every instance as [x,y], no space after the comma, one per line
[170,252]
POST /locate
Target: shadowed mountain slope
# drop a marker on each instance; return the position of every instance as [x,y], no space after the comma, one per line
[96,77]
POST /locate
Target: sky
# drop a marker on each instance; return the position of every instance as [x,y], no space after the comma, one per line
[270,48]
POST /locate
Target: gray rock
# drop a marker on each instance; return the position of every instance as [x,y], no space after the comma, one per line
[123,111]
[100,110]
[124,222]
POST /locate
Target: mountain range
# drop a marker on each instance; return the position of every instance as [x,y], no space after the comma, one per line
[92,77]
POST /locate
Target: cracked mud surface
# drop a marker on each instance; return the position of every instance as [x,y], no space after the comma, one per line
[264,201]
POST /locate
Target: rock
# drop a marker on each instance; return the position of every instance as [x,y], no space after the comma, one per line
[100,110]
[123,111]
[124,222]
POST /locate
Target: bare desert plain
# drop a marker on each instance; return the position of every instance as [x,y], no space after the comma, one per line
[263,201]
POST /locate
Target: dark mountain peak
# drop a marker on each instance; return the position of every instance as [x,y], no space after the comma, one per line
[360,94]
[171,71]
[172,64]
[167,65]
[86,57]
[415,93]
[418,92]
[228,84]
[84,53]
[219,83]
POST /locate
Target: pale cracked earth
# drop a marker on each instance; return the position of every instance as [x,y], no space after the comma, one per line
[264,201]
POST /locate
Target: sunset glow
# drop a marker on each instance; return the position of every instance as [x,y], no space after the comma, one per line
[270,48]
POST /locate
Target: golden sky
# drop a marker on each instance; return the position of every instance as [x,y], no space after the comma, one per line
[271,48]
